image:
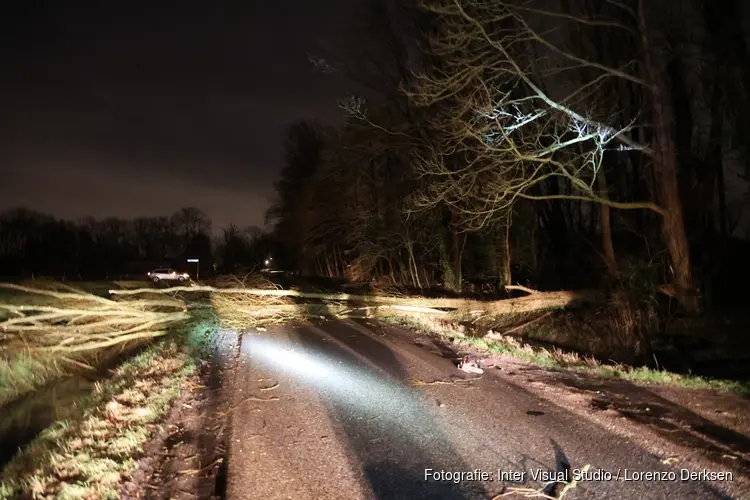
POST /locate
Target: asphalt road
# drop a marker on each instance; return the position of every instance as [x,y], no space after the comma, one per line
[331,412]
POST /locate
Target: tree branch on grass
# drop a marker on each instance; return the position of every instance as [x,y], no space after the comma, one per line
[74,322]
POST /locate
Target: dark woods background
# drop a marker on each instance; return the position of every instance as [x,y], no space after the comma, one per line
[38,245]
[559,144]
[563,144]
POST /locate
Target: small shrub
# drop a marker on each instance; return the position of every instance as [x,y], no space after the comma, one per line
[634,313]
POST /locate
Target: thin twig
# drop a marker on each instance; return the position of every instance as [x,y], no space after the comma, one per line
[198,471]
[418,382]
[251,398]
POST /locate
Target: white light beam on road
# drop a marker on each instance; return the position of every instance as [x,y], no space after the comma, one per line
[348,385]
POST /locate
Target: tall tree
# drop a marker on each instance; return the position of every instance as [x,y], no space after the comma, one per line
[514,126]
[303,145]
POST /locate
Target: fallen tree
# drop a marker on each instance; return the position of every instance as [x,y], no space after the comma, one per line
[234,305]
[66,320]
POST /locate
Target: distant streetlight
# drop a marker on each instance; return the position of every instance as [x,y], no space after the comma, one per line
[197,267]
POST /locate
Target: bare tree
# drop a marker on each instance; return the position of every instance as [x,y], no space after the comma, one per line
[511,120]
[290,215]
[191,222]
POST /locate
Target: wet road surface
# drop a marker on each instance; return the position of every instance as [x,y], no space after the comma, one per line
[356,410]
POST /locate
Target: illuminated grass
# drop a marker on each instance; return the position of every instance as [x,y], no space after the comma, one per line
[87,455]
[24,370]
[559,359]
[22,373]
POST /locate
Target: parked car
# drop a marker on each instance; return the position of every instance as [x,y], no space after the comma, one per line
[158,275]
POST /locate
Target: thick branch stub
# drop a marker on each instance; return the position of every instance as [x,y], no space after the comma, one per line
[521,288]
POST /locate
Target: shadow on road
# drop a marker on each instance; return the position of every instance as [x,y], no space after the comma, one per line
[670,420]
[388,429]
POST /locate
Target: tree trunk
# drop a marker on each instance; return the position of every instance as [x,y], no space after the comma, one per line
[722,198]
[507,277]
[673,225]
[426,277]
[336,265]
[665,158]
[607,246]
[413,271]
[449,275]
[416,270]
[400,272]
[534,241]
[328,263]
[457,251]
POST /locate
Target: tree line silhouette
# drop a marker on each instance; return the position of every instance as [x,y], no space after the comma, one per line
[34,244]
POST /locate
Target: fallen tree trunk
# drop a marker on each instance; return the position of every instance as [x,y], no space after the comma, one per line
[71,321]
[330,309]
[534,301]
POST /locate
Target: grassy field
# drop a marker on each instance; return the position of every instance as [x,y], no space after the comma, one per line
[88,454]
[24,370]
[20,371]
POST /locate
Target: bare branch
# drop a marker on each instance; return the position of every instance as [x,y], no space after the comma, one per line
[500,134]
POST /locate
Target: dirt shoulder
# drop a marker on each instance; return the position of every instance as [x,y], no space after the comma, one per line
[687,422]
[88,455]
[186,458]
[695,429]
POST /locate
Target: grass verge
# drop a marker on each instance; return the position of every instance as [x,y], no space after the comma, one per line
[23,373]
[88,455]
[559,359]
[48,331]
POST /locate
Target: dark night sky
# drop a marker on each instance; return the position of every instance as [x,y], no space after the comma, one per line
[140,111]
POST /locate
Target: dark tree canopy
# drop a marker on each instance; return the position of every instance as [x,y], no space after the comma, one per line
[567,144]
